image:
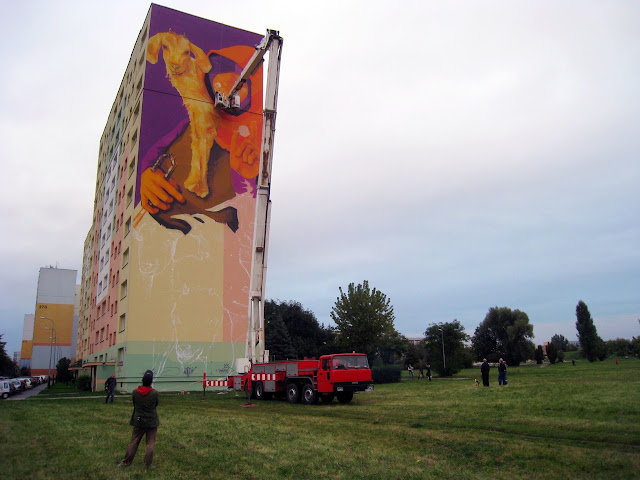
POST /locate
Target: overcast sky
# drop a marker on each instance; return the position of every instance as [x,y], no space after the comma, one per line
[457,155]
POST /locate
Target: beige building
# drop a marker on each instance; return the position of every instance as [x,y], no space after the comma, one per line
[169,290]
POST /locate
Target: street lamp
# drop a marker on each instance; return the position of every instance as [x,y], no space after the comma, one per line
[53,331]
[444,360]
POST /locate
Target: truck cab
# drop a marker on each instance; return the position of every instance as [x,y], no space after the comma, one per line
[343,374]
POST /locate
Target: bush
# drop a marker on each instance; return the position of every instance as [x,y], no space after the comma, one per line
[83,382]
[387,374]
[560,356]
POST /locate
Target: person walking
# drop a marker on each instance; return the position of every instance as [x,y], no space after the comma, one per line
[429,372]
[410,368]
[484,370]
[110,387]
[502,372]
[144,420]
[421,370]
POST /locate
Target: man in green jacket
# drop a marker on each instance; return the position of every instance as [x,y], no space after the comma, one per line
[144,420]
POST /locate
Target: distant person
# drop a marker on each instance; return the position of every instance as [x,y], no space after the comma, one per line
[144,420]
[429,372]
[421,370]
[410,368]
[573,362]
[502,372]
[484,370]
[110,387]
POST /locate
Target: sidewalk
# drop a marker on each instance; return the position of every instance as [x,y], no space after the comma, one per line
[28,393]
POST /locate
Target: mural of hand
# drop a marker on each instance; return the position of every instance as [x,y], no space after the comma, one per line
[244,154]
[156,192]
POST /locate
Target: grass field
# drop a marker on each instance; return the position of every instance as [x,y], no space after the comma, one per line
[557,422]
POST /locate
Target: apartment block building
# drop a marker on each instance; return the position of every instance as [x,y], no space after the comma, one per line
[166,266]
[51,332]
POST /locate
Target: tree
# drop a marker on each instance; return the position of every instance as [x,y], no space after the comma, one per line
[278,341]
[25,371]
[7,367]
[364,319]
[307,337]
[62,368]
[539,355]
[392,347]
[619,347]
[450,336]
[552,352]
[591,344]
[560,356]
[504,333]
[415,354]
[560,342]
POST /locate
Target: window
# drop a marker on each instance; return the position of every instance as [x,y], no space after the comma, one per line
[127,226]
[122,322]
[132,166]
[125,257]
[123,289]
[129,196]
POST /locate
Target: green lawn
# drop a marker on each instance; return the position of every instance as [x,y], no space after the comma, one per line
[558,421]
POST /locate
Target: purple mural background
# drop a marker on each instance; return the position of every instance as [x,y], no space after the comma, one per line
[162,106]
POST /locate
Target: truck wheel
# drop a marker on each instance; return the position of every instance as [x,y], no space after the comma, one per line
[345,397]
[309,395]
[5,395]
[326,399]
[293,392]
[259,389]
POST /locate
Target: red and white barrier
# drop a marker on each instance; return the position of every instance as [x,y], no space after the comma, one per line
[213,383]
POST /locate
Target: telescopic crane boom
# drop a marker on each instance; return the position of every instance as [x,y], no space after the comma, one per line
[272,43]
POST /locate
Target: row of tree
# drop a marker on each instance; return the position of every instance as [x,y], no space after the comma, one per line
[364,322]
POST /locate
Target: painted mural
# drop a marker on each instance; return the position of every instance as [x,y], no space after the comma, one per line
[197,177]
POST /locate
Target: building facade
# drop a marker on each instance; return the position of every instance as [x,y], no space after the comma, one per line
[51,333]
[166,267]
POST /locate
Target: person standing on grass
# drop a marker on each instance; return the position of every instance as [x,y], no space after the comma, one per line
[502,372]
[484,370]
[410,368]
[429,372]
[144,420]
[110,387]
[421,369]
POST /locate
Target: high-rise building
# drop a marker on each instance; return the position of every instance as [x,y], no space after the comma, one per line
[50,333]
[167,261]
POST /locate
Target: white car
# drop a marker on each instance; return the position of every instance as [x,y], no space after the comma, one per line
[17,385]
[5,388]
[27,382]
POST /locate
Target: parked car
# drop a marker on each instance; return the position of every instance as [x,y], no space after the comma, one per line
[26,381]
[5,388]
[35,381]
[16,385]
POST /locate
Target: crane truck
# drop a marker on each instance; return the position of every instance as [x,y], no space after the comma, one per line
[308,380]
[332,376]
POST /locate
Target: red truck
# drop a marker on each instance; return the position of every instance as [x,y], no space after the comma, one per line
[309,380]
